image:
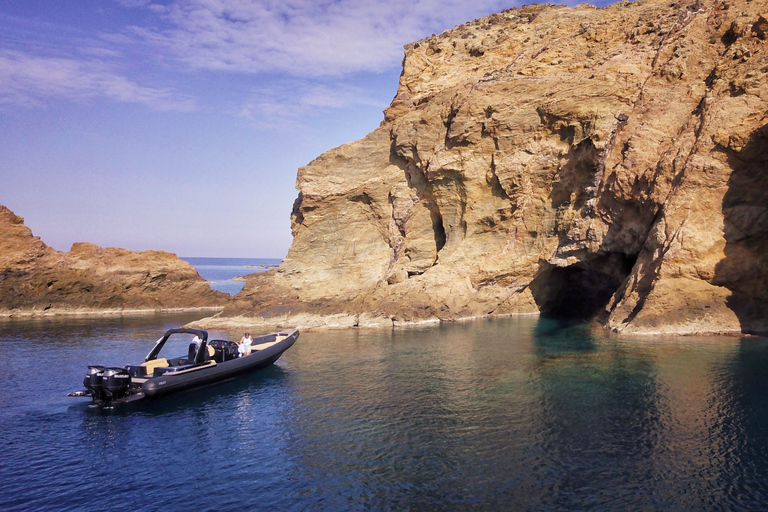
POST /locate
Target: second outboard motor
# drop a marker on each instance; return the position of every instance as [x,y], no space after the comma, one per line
[93,382]
[117,381]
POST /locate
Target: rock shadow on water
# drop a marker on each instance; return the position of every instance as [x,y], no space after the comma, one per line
[744,270]
[599,418]
[743,410]
[554,337]
[739,433]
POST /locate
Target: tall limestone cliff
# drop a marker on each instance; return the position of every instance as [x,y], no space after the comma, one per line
[38,280]
[591,163]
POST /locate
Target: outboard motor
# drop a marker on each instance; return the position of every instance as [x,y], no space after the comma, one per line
[93,382]
[116,382]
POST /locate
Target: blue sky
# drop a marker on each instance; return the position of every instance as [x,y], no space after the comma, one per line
[180,124]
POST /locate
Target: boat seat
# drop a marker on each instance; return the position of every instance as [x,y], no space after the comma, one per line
[193,352]
[155,363]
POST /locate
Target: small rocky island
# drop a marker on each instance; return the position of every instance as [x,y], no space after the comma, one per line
[607,164]
[37,280]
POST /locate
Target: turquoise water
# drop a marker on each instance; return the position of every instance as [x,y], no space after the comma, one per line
[509,414]
[221,271]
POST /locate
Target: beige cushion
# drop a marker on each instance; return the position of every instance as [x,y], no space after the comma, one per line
[155,363]
[262,346]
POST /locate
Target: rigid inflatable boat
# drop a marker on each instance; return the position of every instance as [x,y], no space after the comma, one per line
[206,362]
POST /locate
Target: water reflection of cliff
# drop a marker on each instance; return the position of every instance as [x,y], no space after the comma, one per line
[414,419]
[671,423]
[599,415]
[521,414]
[738,432]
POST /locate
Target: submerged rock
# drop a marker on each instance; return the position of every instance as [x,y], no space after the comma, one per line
[589,163]
[38,280]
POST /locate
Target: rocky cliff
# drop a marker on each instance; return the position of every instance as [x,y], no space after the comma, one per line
[580,162]
[38,280]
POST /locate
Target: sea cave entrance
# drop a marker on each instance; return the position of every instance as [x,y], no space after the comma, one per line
[581,291]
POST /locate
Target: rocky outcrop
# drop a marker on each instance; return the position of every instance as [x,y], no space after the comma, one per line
[580,162]
[38,280]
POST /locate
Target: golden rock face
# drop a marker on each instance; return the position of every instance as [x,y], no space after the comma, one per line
[592,163]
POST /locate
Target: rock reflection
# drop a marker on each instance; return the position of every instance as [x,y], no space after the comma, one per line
[413,418]
[738,432]
[555,337]
[599,416]
[672,423]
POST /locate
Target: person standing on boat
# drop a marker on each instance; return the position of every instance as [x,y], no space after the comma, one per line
[193,348]
[245,344]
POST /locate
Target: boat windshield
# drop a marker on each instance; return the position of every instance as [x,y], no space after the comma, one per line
[176,346]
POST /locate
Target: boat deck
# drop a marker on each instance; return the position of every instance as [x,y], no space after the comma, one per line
[254,349]
[262,346]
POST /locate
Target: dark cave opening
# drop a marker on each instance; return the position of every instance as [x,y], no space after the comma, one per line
[438,228]
[580,291]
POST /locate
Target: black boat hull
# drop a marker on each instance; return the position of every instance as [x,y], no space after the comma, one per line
[172,382]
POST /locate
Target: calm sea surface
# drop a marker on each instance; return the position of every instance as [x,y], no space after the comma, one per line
[514,414]
[221,271]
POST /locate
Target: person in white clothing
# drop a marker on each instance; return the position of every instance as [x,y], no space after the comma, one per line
[196,341]
[245,345]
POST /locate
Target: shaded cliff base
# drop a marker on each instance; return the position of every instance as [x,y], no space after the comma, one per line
[572,295]
[311,322]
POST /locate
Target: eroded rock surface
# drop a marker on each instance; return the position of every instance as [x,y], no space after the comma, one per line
[591,163]
[38,280]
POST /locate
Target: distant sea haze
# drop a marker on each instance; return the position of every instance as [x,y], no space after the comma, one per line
[220,272]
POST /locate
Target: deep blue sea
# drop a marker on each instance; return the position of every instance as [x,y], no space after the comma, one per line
[505,414]
[219,272]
